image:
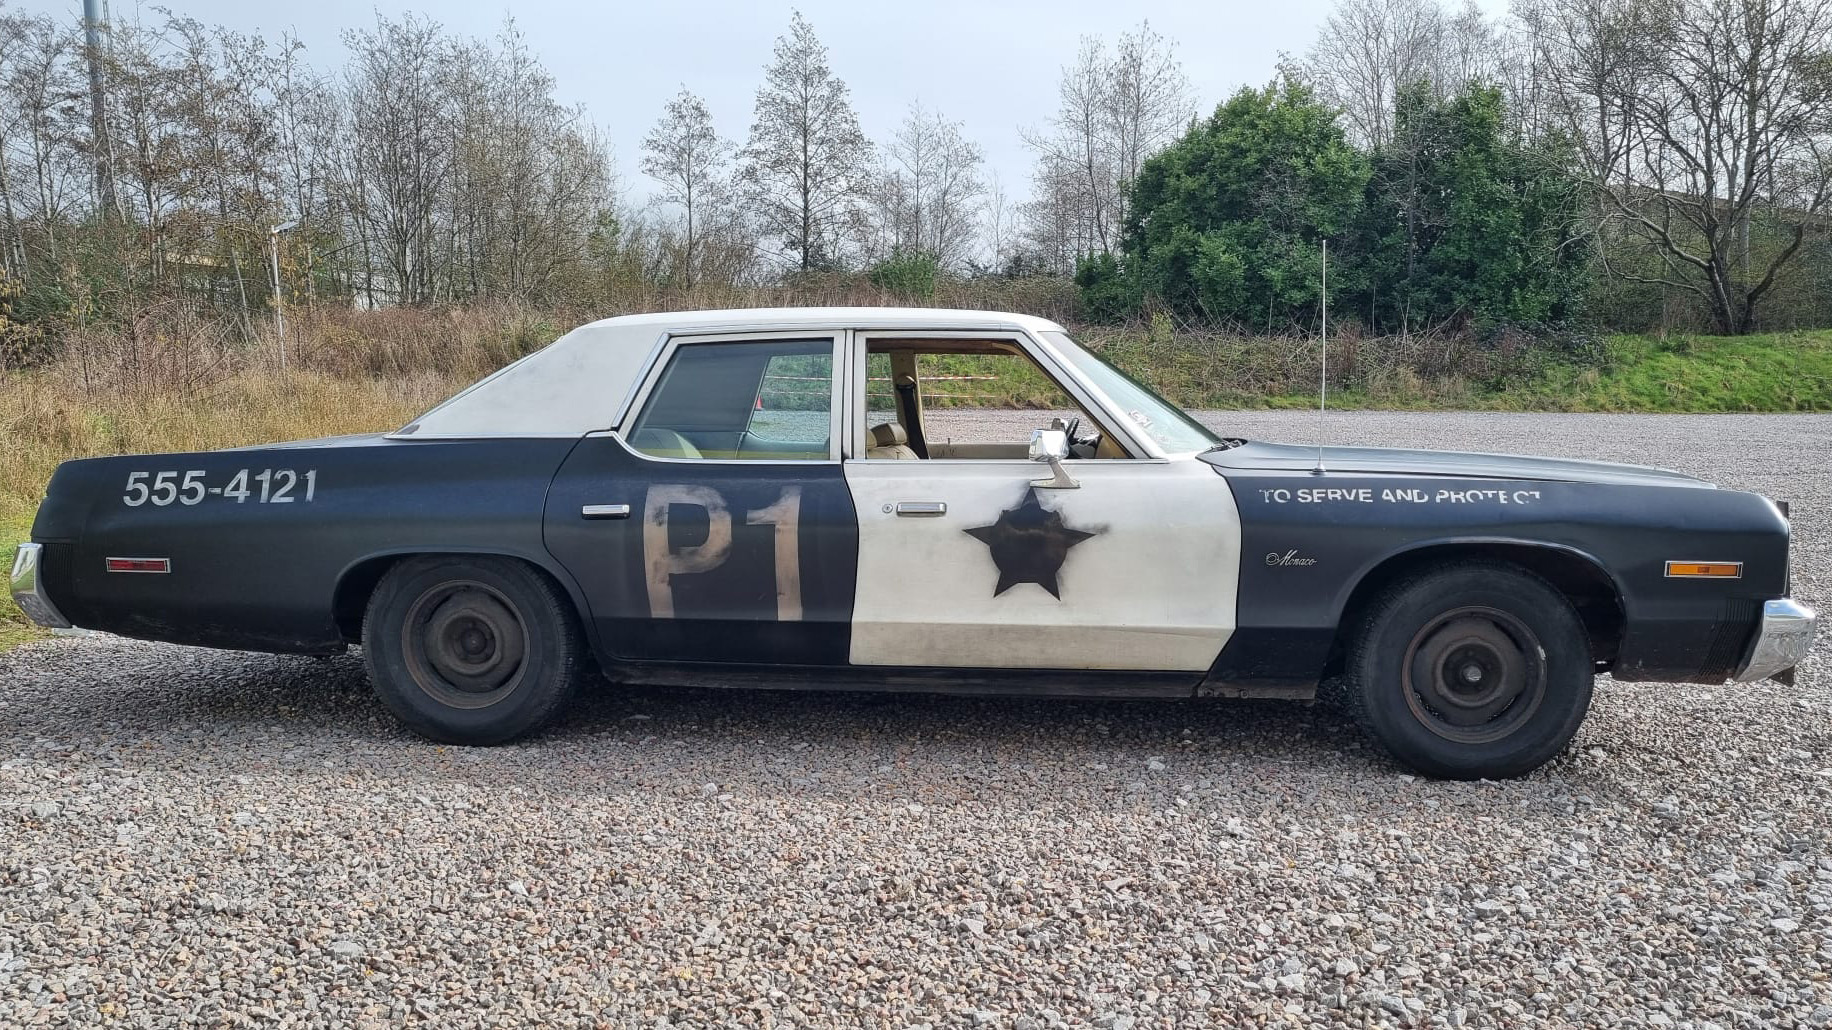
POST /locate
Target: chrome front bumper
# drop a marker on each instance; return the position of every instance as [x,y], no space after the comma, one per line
[29,594]
[1781,642]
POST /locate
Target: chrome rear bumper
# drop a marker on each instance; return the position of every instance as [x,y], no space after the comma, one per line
[29,594]
[1781,641]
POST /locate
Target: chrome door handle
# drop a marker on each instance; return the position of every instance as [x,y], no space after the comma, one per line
[922,509]
[605,511]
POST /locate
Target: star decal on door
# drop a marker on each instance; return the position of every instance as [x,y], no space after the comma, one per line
[1029,543]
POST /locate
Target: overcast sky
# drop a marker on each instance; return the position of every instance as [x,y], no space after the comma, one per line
[991,65]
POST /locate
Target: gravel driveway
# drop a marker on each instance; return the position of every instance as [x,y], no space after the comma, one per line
[191,837]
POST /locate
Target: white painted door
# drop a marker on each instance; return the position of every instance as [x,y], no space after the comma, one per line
[1135,569]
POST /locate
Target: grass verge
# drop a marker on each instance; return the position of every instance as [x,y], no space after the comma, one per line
[15,628]
[1770,372]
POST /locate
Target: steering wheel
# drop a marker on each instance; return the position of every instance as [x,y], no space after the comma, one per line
[1079,446]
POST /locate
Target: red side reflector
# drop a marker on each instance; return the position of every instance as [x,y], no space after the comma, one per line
[139,564]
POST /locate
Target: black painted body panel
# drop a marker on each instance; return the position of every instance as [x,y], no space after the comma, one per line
[1308,540]
[261,576]
[727,613]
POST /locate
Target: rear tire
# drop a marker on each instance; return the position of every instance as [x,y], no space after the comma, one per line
[472,650]
[1470,670]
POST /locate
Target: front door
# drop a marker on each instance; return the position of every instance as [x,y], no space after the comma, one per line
[964,562]
[967,564]
[716,525]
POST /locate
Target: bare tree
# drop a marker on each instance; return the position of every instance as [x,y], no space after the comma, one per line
[401,153]
[1704,121]
[1147,101]
[931,192]
[1367,51]
[1000,233]
[41,87]
[806,164]
[684,153]
[1470,49]
[14,30]
[1112,113]
[1073,156]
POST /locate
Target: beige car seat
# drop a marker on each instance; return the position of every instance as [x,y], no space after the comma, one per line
[888,440]
[664,443]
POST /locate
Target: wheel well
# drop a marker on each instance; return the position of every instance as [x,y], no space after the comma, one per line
[350,599]
[1589,589]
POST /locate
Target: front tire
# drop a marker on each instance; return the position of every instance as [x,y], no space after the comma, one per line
[1471,670]
[472,650]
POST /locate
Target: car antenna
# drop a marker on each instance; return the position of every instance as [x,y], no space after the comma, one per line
[1323,381]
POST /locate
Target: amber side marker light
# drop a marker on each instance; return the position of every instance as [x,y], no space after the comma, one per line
[1704,570]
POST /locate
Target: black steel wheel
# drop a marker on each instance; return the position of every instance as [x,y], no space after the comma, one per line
[1470,670]
[472,650]
[1475,674]
[464,644]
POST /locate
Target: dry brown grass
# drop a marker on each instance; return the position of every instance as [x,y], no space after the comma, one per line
[48,417]
[44,421]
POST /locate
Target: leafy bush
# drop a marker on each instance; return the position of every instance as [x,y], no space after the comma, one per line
[23,342]
[910,274]
[1108,293]
[1227,222]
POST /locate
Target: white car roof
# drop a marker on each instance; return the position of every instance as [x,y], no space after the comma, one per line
[578,383]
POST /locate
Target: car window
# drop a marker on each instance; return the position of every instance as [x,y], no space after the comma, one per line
[764,401]
[1151,414]
[987,398]
[968,399]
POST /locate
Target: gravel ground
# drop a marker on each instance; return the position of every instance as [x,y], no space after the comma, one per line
[201,838]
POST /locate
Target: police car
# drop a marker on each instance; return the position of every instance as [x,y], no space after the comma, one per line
[868,499]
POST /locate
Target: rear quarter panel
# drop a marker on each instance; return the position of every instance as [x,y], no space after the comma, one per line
[262,575]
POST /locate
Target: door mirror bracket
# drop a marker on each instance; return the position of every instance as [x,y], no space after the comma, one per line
[1052,445]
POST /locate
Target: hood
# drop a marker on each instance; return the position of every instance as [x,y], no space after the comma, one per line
[1254,456]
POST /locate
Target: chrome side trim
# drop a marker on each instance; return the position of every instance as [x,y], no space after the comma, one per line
[1781,642]
[27,592]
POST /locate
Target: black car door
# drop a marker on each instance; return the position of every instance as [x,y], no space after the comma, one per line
[716,524]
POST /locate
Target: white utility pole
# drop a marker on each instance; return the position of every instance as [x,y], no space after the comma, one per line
[279,315]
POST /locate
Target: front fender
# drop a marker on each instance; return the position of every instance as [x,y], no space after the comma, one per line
[1312,543]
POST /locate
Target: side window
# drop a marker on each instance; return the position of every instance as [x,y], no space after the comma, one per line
[767,401]
[985,398]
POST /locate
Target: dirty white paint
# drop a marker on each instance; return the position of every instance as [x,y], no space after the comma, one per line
[661,565]
[1153,589]
[785,516]
[578,383]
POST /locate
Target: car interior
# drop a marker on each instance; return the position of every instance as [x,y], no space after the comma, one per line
[925,399]
[966,399]
[766,401]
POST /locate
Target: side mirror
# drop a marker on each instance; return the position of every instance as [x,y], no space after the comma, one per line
[1051,445]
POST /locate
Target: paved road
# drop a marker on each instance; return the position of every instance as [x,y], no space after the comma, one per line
[201,838]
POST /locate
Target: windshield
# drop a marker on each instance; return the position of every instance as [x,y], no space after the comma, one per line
[1154,416]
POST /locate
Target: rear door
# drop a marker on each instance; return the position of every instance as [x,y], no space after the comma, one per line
[716,524]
